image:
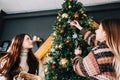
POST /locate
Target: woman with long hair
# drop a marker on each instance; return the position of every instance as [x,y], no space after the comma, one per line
[102,63]
[19,57]
[112,30]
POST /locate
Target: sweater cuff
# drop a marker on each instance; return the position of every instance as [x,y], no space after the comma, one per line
[83,31]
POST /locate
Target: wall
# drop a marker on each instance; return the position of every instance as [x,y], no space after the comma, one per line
[1,22]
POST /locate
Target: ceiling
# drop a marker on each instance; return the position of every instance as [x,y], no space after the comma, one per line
[22,6]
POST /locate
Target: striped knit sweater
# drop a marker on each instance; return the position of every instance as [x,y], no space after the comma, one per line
[97,65]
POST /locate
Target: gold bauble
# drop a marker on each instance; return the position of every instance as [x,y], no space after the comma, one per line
[64,62]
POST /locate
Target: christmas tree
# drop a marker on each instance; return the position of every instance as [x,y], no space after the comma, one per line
[65,40]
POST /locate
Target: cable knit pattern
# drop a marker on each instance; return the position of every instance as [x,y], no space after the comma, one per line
[97,65]
[23,63]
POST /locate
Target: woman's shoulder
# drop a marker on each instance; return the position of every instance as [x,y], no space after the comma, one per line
[102,50]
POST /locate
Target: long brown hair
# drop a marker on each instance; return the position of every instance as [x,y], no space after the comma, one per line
[11,67]
[112,29]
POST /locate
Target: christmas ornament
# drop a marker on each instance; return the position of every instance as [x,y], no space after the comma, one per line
[53,66]
[46,69]
[64,15]
[54,33]
[52,50]
[70,6]
[62,31]
[56,47]
[68,41]
[59,25]
[60,46]
[76,15]
[84,15]
[59,19]
[74,36]
[64,62]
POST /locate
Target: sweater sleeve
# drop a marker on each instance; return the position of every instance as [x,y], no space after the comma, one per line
[89,37]
[98,61]
[87,66]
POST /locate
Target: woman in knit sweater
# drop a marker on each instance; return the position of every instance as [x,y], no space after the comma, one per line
[103,60]
[19,58]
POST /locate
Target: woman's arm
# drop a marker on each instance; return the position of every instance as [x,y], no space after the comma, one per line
[88,36]
[98,61]
[87,66]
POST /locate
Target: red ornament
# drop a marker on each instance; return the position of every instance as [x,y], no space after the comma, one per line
[71,0]
[53,66]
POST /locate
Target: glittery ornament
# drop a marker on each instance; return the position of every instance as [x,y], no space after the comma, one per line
[64,62]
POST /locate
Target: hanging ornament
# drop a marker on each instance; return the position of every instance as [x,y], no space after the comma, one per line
[59,19]
[64,15]
[69,6]
[56,47]
[54,34]
[84,15]
[82,12]
[62,31]
[60,46]
[68,41]
[46,69]
[53,66]
[64,62]
[59,25]
[74,36]
[52,50]
[76,15]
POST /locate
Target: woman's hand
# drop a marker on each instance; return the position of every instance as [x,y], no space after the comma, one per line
[78,51]
[76,24]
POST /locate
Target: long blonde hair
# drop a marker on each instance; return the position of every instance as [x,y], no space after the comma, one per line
[112,29]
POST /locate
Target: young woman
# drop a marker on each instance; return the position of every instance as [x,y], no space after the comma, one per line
[19,58]
[103,60]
